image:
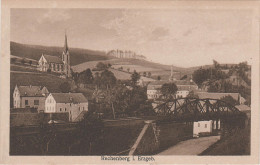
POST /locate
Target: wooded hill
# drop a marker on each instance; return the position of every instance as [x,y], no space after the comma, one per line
[78,55]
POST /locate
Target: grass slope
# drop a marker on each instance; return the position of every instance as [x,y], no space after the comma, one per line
[77,55]
[236,144]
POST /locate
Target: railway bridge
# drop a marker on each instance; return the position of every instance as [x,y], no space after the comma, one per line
[194,109]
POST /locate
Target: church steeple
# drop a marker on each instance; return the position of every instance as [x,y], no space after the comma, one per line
[66,48]
[66,58]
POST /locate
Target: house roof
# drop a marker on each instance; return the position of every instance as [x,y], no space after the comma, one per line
[30,91]
[243,107]
[53,59]
[207,95]
[69,97]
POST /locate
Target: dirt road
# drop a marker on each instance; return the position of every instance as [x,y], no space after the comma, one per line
[191,147]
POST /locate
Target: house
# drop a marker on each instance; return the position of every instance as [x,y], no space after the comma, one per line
[205,127]
[73,103]
[184,88]
[49,63]
[29,96]
[207,95]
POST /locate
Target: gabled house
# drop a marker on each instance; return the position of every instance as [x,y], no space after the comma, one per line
[73,103]
[29,96]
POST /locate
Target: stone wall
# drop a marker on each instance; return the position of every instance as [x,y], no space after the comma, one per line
[147,141]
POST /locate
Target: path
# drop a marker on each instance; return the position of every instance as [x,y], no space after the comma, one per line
[191,147]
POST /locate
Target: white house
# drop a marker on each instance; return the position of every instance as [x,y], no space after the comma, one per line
[184,88]
[72,103]
[205,127]
[29,96]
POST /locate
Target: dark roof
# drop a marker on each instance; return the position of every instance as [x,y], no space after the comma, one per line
[31,91]
[53,59]
[207,95]
[69,97]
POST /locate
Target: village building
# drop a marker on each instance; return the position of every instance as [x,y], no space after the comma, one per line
[29,97]
[49,63]
[184,88]
[203,128]
[73,103]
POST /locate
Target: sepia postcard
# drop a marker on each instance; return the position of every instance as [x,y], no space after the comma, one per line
[129,82]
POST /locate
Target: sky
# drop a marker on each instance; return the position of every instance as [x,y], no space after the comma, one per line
[180,37]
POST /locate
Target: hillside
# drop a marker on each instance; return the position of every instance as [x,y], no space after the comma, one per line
[77,55]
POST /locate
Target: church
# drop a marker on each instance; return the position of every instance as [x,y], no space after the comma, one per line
[49,63]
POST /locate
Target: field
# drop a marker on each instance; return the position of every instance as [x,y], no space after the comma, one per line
[164,71]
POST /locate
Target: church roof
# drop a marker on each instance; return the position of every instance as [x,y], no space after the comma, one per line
[53,59]
[29,91]
[69,98]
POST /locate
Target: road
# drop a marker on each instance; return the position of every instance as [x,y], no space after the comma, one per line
[191,147]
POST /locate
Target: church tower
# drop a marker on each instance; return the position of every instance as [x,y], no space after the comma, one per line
[66,58]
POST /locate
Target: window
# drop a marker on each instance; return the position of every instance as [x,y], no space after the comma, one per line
[36,102]
[26,102]
[65,109]
[205,125]
[60,109]
[198,124]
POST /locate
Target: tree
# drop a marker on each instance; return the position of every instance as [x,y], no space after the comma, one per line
[144,74]
[108,79]
[90,131]
[135,77]
[216,64]
[86,77]
[13,60]
[199,76]
[65,87]
[101,66]
[230,100]
[23,61]
[149,74]
[183,77]
[168,90]
[192,95]
[30,62]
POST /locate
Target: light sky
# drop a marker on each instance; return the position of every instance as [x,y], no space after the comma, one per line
[182,37]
